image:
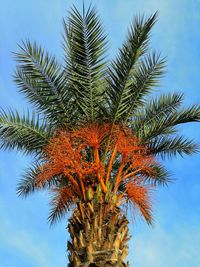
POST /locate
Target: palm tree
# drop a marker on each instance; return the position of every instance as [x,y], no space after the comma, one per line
[96,136]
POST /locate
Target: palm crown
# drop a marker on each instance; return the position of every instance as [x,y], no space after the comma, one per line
[95,131]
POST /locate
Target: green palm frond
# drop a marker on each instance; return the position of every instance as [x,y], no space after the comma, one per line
[43,82]
[27,184]
[26,133]
[85,46]
[158,107]
[172,146]
[164,123]
[159,176]
[121,73]
[145,78]
[185,115]
[154,111]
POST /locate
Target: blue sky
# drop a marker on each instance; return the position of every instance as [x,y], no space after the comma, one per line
[26,240]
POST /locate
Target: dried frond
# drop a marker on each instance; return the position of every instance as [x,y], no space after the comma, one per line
[138,194]
[62,201]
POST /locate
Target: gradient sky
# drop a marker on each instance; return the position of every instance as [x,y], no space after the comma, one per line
[26,240]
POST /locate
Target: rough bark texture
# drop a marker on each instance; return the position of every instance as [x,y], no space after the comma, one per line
[99,235]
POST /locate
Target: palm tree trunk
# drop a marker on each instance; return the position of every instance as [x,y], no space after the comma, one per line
[99,235]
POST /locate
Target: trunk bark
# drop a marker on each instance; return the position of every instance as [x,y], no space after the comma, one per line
[99,235]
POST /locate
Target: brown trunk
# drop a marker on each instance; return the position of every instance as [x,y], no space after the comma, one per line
[99,235]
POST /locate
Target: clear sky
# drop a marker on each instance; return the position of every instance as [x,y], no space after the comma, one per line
[26,240]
